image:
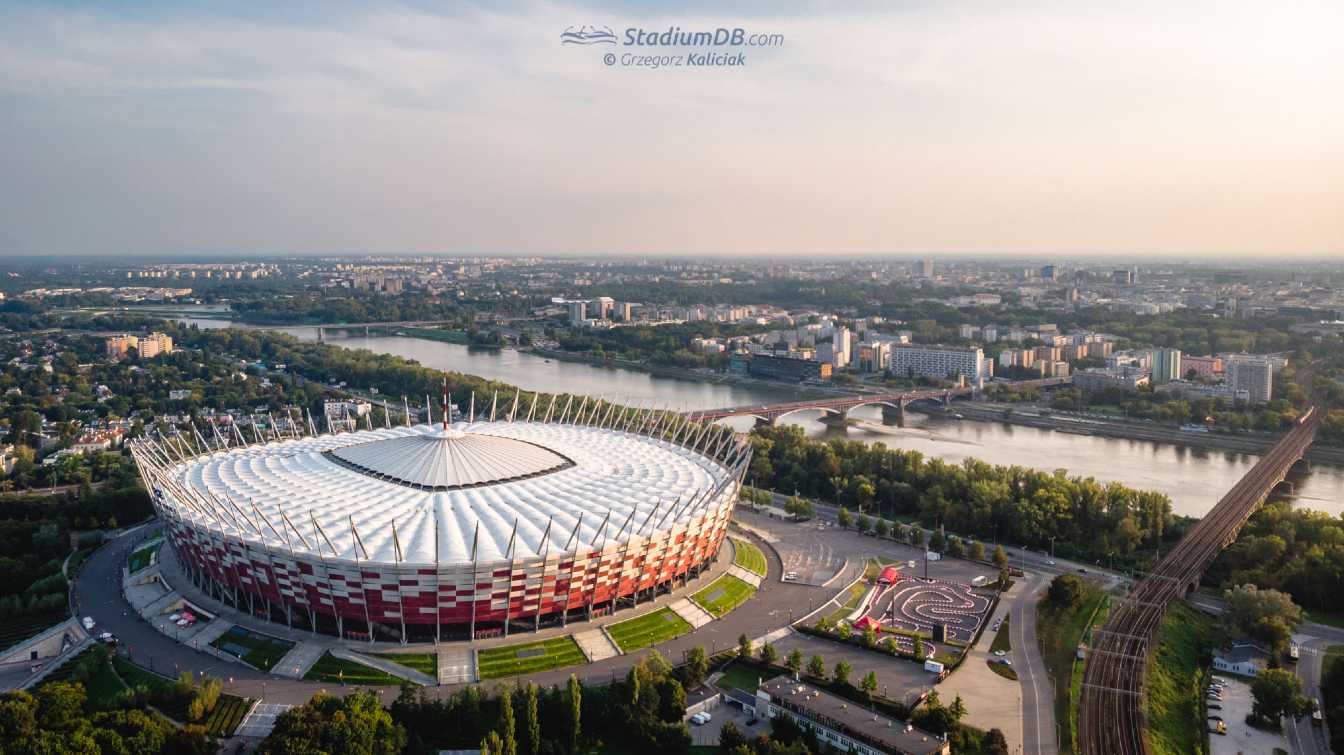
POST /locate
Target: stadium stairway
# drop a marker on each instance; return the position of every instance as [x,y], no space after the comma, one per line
[692,613]
[457,664]
[596,645]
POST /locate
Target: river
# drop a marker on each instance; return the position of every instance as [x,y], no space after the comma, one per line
[1193,478]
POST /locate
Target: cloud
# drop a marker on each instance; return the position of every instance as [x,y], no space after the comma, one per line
[1038,127]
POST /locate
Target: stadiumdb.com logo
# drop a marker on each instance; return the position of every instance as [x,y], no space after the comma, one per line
[588,35]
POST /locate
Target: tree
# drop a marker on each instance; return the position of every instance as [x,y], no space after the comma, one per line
[1274,633]
[955,548]
[841,672]
[696,667]
[1066,591]
[795,661]
[865,524]
[744,646]
[937,540]
[995,743]
[574,700]
[869,636]
[916,536]
[816,667]
[1000,558]
[357,724]
[507,727]
[919,647]
[869,684]
[531,720]
[1278,692]
[844,519]
[1247,605]
[844,631]
[731,737]
[491,744]
[881,529]
[977,551]
[768,653]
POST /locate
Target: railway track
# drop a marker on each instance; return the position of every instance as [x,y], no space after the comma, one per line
[1111,711]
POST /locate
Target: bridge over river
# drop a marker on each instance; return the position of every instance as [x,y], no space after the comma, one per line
[1111,712]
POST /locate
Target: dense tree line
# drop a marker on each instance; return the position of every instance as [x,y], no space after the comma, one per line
[345,307]
[57,718]
[1299,551]
[1010,503]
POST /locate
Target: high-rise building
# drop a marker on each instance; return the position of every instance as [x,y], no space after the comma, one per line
[1254,375]
[155,344]
[938,362]
[1122,277]
[842,342]
[926,267]
[118,345]
[1048,273]
[600,308]
[1206,367]
[578,312]
[1166,365]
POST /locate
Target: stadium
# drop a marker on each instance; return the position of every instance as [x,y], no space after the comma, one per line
[429,532]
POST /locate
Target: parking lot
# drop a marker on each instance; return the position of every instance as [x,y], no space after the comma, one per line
[1240,737]
[897,678]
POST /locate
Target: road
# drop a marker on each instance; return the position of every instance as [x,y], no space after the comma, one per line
[1305,738]
[1038,707]
[97,593]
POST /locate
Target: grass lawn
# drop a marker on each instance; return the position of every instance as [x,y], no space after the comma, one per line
[335,670]
[1332,710]
[856,593]
[425,663]
[226,716]
[143,558]
[1007,672]
[738,676]
[19,628]
[649,629]
[528,658]
[1059,631]
[1176,677]
[748,556]
[260,650]
[723,595]
[1002,640]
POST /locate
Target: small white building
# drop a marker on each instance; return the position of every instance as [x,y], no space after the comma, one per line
[1243,657]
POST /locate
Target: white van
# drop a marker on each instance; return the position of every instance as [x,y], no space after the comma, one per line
[87,621]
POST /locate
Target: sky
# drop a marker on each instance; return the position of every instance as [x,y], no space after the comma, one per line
[1191,130]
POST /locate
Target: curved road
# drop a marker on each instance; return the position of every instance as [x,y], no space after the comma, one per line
[97,592]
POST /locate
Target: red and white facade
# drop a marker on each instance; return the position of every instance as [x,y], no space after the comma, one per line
[423,533]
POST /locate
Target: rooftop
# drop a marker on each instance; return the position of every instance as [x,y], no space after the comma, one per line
[836,713]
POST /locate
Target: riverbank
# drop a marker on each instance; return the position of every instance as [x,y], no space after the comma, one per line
[1009,414]
[682,373]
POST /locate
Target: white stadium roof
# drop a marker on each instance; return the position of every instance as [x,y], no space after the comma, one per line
[425,479]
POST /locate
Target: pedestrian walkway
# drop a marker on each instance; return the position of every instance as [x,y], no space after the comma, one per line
[692,613]
[596,645]
[260,720]
[386,666]
[298,660]
[750,577]
[457,664]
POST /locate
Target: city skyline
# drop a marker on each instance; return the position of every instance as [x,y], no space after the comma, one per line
[1034,131]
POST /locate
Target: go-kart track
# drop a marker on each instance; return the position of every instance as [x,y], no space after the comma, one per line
[915,604]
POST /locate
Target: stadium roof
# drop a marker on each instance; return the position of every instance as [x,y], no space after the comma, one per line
[545,488]
[450,459]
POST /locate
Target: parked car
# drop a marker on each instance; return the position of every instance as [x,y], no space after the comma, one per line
[1000,653]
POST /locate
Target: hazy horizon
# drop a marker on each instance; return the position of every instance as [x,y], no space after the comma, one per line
[1204,132]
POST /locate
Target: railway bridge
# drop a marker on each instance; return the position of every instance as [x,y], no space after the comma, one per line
[1111,706]
[836,410]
